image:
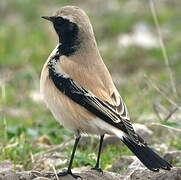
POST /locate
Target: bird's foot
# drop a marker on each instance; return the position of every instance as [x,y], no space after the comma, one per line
[68,172]
[98,169]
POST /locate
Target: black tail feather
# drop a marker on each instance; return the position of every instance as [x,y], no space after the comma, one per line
[147,156]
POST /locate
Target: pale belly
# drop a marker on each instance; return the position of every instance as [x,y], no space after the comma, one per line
[70,114]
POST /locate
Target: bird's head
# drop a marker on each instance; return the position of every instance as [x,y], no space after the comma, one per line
[70,20]
[73,28]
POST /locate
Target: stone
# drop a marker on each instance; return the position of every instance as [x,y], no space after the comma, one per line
[174,157]
[130,174]
[122,162]
[140,174]
[111,140]
[143,131]
[6,166]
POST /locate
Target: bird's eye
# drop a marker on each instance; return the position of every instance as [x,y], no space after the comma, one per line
[59,18]
[61,21]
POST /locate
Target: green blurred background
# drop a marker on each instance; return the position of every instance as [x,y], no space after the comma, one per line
[129,44]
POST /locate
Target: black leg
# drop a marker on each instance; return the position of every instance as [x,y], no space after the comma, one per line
[99,154]
[69,171]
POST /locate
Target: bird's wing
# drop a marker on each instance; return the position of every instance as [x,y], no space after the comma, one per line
[120,107]
[88,100]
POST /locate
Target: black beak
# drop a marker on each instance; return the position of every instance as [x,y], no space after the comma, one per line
[49,18]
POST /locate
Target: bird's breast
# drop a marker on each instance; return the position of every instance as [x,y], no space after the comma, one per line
[70,114]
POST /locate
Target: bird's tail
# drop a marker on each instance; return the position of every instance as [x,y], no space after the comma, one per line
[146,155]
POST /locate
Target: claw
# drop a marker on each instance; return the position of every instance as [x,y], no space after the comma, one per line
[98,169]
[68,172]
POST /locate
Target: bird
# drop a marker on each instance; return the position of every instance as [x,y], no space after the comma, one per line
[79,91]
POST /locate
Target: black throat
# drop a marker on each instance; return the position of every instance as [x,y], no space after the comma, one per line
[68,36]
